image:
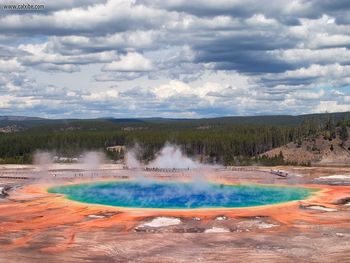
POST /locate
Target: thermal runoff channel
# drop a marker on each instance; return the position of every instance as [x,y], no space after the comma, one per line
[180,195]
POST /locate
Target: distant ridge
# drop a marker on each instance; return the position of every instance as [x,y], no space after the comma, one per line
[160,119]
[25,122]
[19,118]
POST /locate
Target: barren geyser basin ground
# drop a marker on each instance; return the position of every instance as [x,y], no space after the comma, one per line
[311,225]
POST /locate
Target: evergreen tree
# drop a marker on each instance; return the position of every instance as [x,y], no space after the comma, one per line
[343,134]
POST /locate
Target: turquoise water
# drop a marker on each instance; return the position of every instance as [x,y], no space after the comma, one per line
[176,195]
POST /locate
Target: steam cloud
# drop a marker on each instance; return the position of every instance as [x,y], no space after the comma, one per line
[171,156]
[131,160]
[92,160]
[43,160]
[89,161]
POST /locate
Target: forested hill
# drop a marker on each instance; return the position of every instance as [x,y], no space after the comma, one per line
[24,123]
[227,140]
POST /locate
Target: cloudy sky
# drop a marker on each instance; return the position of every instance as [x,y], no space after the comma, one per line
[176,58]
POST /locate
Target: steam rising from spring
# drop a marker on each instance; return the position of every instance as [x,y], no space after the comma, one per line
[92,160]
[131,160]
[171,156]
[88,161]
[43,160]
[168,158]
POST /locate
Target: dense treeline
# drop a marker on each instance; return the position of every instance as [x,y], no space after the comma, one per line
[219,141]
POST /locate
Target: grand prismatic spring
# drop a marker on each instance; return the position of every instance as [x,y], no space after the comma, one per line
[175,195]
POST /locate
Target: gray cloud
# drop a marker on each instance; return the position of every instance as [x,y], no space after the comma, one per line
[188,58]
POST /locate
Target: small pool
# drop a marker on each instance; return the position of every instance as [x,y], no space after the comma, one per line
[179,195]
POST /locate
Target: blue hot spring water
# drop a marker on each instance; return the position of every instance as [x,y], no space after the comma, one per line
[179,195]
